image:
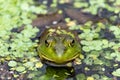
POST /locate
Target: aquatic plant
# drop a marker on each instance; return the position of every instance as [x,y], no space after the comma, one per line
[15,46]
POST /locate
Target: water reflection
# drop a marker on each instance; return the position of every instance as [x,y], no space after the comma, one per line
[52,73]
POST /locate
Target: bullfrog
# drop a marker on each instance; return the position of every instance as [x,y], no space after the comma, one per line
[59,46]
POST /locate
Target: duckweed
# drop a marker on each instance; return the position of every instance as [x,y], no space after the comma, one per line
[15,44]
[20,69]
[116,72]
[12,63]
[97,49]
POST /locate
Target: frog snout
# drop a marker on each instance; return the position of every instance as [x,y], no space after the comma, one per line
[60,49]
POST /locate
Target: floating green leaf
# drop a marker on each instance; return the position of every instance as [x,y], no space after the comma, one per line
[12,63]
[80,77]
[116,72]
[20,69]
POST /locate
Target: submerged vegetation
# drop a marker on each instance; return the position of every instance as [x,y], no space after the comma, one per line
[100,39]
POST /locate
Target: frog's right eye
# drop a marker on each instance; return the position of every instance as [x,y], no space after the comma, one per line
[46,43]
[49,41]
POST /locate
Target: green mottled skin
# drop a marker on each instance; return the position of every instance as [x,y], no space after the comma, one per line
[58,46]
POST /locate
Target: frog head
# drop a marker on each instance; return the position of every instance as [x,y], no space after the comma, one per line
[58,46]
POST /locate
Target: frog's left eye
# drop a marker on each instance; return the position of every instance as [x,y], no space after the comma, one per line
[70,42]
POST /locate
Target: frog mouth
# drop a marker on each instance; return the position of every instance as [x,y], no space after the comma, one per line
[59,61]
[66,64]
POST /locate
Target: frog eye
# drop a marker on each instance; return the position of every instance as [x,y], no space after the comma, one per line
[49,41]
[72,42]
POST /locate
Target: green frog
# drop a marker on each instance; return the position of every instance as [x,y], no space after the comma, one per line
[59,46]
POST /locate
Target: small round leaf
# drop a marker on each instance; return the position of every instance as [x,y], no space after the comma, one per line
[20,69]
[12,63]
